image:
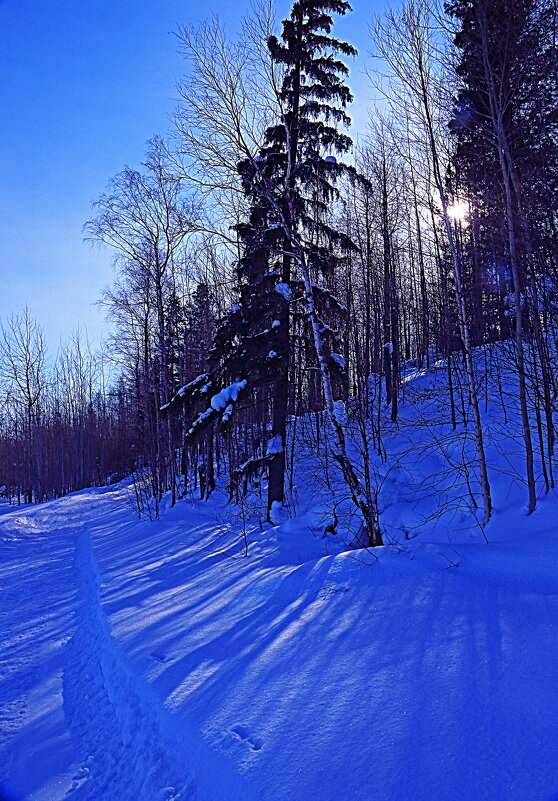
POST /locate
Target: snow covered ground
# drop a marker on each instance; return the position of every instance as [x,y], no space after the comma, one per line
[152,662]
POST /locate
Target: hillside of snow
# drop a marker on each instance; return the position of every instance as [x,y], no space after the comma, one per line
[152,661]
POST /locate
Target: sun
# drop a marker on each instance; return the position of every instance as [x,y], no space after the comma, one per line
[458,210]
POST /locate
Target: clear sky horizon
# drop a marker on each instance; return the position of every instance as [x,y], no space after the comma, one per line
[85,85]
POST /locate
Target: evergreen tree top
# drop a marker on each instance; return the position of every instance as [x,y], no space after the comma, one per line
[313,85]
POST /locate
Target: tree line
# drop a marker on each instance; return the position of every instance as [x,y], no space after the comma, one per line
[61,428]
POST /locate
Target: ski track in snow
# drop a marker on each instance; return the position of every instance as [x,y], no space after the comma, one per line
[77,722]
[127,746]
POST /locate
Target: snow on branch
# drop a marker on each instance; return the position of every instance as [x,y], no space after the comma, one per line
[199,385]
[227,395]
[222,402]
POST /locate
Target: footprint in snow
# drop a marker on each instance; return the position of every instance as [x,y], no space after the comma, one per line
[242,734]
[162,658]
[331,589]
[78,780]
[168,794]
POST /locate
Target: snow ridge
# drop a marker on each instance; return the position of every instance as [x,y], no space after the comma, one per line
[129,746]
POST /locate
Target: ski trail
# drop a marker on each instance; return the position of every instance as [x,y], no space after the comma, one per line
[127,748]
[36,594]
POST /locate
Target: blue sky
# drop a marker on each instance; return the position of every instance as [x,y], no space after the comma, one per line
[84,84]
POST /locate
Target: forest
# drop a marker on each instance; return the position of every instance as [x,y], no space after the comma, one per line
[277,281]
[289,533]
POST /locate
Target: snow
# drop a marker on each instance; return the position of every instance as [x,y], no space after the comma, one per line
[222,401]
[75,718]
[275,445]
[227,413]
[199,381]
[263,333]
[223,398]
[143,662]
[279,515]
[339,360]
[284,290]
[202,384]
[199,420]
[151,661]
[340,412]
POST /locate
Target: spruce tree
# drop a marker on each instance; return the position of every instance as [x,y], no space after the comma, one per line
[305,146]
[290,250]
[313,98]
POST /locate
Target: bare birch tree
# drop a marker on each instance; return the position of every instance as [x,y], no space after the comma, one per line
[405,39]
